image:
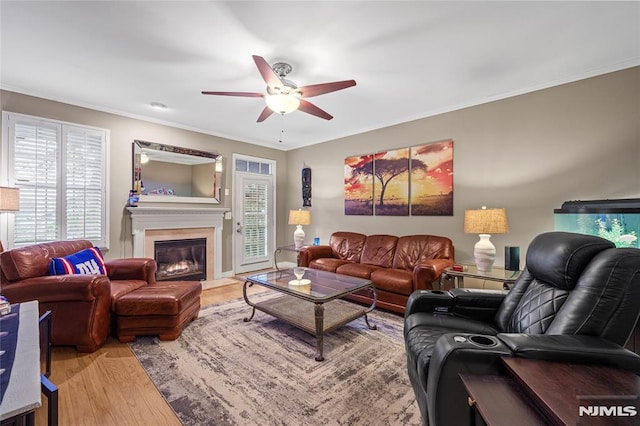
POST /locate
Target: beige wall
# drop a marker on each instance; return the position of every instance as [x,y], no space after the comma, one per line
[528,154]
[123,131]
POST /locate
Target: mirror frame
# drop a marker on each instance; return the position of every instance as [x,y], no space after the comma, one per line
[158,150]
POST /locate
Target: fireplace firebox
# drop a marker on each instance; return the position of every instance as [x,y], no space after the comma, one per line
[181,260]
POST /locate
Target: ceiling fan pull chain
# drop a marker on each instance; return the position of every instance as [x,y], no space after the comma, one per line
[281,128]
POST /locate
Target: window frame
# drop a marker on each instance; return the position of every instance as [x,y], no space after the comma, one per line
[63,130]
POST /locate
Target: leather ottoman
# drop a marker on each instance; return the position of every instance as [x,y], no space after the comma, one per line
[162,308]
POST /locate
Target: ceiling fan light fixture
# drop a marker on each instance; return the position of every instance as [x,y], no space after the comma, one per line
[282,103]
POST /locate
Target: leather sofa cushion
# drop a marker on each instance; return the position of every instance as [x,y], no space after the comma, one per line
[347,245]
[359,270]
[121,287]
[394,280]
[159,298]
[414,249]
[327,264]
[379,250]
[33,261]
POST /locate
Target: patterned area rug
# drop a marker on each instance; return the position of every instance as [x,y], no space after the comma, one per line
[223,371]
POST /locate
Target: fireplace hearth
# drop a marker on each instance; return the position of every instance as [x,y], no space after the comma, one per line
[183,260]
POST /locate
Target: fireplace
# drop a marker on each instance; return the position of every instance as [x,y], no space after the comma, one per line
[181,260]
[150,225]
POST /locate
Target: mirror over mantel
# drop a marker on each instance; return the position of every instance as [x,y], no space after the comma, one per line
[171,174]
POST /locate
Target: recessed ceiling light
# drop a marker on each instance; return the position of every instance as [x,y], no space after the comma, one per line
[158,105]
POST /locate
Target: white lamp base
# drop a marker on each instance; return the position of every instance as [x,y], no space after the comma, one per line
[298,237]
[484,253]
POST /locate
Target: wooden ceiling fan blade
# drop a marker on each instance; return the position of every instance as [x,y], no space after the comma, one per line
[242,94]
[268,74]
[320,89]
[266,112]
[310,108]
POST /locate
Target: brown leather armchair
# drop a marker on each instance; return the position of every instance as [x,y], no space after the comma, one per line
[80,305]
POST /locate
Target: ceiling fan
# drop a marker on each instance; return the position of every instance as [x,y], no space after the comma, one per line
[284,96]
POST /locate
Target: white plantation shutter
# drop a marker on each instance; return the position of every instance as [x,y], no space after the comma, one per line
[255,220]
[84,182]
[35,169]
[61,172]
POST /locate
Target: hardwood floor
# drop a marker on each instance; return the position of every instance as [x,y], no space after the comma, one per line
[109,387]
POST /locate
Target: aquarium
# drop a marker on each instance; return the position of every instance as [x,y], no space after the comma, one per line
[616,220]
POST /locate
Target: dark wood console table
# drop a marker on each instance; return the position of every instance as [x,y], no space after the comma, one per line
[535,392]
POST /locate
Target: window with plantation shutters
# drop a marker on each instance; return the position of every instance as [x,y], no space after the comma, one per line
[255,220]
[60,169]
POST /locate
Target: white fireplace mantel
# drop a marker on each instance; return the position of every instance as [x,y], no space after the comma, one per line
[151,218]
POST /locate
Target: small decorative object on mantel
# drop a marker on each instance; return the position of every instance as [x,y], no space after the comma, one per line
[306,187]
[133,199]
[485,222]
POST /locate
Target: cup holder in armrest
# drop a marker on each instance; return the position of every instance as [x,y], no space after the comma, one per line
[437,292]
[483,340]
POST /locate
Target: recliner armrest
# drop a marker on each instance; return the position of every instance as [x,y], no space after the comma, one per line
[429,301]
[571,348]
[470,303]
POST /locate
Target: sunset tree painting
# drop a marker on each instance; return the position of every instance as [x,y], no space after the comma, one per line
[432,179]
[358,185]
[391,187]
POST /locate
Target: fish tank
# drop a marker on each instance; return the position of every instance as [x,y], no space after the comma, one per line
[616,220]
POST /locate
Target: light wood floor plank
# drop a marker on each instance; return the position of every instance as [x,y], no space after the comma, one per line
[109,387]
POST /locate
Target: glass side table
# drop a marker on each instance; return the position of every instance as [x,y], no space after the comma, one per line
[507,278]
[280,249]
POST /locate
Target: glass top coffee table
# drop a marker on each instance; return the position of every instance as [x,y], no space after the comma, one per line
[313,302]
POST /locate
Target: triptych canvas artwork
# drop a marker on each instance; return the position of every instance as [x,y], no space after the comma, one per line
[415,181]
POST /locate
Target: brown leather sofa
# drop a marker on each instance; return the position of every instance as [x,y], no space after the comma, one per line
[398,266]
[80,305]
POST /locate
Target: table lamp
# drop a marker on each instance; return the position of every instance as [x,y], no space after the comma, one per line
[485,222]
[299,217]
[9,202]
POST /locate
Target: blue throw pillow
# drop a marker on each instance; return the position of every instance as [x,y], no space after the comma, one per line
[84,262]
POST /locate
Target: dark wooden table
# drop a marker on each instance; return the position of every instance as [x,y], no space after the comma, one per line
[534,392]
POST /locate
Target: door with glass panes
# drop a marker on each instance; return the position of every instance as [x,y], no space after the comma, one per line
[254,213]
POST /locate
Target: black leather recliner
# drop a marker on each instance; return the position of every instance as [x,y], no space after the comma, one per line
[577,300]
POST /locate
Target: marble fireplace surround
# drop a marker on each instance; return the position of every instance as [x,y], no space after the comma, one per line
[158,223]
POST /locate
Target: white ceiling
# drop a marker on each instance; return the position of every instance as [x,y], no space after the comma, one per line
[410,59]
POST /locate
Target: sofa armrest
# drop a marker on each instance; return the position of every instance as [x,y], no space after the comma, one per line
[58,288]
[427,272]
[135,268]
[309,253]
[571,348]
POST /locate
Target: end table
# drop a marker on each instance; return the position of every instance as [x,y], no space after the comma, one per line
[507,278]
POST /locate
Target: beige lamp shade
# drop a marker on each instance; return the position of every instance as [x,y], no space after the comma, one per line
[486,221]
[9,199]
[299,217]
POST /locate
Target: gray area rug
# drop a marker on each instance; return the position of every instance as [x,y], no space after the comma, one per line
[223,371]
